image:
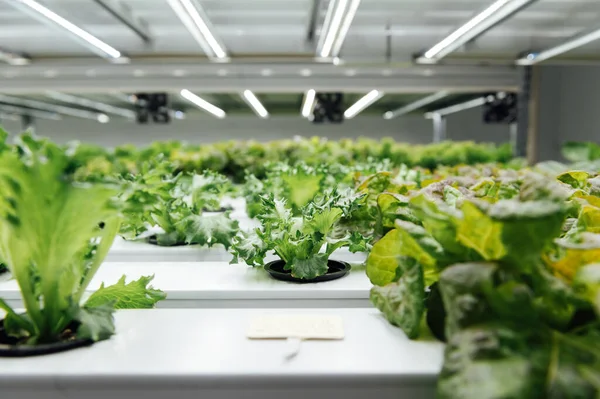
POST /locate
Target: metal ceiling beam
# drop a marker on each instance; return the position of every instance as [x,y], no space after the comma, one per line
[78,113]
[405,84]
[12,109]
[87,103]
[123,13]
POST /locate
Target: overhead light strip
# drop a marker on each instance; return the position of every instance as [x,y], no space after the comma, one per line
[255,104]
[362,103]
[415,105]
[534,58]
[478,102]
[203,104]
[92,42]
[341,36]
[78,113]
[29,112]
[195,20]
[338,19]
[482,22]
[309,103]
[84,102]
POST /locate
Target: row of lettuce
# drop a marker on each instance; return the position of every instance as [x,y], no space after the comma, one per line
[499,260]
[237,158]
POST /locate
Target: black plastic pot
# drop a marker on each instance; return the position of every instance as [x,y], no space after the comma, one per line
[9,346]
[337,269]
[152,240]
[221,209]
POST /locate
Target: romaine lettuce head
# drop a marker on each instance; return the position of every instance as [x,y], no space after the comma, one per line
[52,242]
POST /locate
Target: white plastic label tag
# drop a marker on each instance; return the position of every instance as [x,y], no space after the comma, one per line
[301,327]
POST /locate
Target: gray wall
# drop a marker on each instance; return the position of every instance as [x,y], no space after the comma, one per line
[569,107]
[200,128]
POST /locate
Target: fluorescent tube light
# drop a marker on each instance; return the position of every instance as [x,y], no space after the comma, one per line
[84,102]
[78,113]
[341,36]
[478,102]
[415,105]
[203,104]
[255,104]
[30,112]
[309,102]
[569,45]
[479,24]
[87,38]
[195,20]
[335,27]
[362,103]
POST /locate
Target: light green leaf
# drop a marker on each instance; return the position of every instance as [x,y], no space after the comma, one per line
[96,323]
[310,268]
[135,295]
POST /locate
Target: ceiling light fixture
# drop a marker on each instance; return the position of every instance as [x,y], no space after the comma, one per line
[478,102]
[309,102]
[197,23]
[476,26]
[363,103]
[335,27]
[581,40]
[203,104]
[255,104]
[415,105]
[25,102]
[84,102]
[48,16]
[12,58]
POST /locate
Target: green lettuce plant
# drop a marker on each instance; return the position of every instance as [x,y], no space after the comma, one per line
[176,204]
[300,241]
[500,271]
[53,244]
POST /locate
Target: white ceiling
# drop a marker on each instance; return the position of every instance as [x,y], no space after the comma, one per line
[279,28]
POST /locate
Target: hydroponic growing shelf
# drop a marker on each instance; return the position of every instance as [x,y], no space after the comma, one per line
[495,259]
[204,353]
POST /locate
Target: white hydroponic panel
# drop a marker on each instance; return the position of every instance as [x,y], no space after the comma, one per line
[221,285]
[203,353]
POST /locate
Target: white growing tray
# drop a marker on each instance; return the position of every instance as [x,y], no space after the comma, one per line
[221,285]
[203,353]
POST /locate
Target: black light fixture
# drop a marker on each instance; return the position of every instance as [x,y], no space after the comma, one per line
[328,106]
[155,105]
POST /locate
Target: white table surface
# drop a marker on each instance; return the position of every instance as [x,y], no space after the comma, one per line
[177,353]
[219,285]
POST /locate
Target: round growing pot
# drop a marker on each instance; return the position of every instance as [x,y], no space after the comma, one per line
[337,269]
[9,346]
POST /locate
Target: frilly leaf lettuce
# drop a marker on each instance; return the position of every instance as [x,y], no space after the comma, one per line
[134,295]
[303,243]
[402,302]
